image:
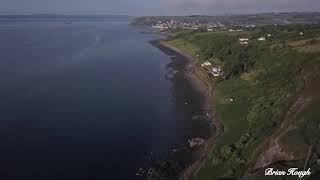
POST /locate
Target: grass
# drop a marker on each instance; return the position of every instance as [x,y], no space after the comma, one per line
[235,125]
[304,42]
[262,97]
[224,33]
[185,46]
[309,45]
[232,113]
[309,123]
[309,48]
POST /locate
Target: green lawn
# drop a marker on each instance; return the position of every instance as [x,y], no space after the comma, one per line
[184,46]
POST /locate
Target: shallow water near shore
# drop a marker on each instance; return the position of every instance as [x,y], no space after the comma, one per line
[192,106]
[88,100]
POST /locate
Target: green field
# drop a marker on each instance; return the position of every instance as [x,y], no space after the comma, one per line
[273,84]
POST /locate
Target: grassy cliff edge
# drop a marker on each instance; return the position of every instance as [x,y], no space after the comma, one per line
[272,119]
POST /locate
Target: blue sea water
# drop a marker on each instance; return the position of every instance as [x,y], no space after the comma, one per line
[86,100]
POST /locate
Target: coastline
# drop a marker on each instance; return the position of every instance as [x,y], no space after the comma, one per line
[214,123]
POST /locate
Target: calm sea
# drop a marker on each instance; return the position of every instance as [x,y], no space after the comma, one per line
[81,100]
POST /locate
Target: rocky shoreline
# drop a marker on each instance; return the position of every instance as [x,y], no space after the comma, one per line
[194,98]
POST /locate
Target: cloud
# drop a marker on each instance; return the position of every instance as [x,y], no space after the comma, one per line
[154,7]
[244,5]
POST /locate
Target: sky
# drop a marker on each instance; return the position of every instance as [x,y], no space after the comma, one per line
[154,7]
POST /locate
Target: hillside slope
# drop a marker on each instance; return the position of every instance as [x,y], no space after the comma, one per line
[267,100]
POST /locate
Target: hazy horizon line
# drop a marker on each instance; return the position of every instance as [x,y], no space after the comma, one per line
[115,14]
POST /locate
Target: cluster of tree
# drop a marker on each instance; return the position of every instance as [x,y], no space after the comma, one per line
[227,52]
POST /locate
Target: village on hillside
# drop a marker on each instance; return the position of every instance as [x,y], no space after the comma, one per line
[241,27]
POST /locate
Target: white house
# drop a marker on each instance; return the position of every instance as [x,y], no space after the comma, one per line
[262,39]
[244,41]
[209,29]
[301,33]
[269,35]
[216,71]
[206,63]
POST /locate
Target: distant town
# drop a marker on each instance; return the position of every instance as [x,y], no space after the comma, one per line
[238,25]
[211,26]
[231,22]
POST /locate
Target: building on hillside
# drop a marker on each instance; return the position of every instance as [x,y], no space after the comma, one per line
[244,41]
[206,63]
[235,30]
[216,71]
[262,39]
